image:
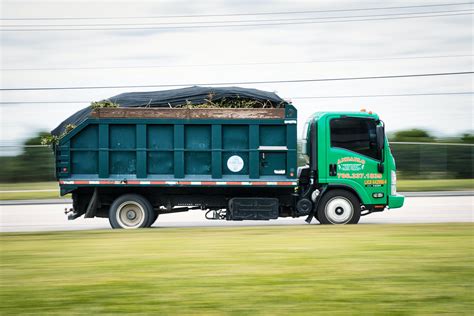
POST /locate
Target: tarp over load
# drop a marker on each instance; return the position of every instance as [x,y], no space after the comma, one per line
[177,98]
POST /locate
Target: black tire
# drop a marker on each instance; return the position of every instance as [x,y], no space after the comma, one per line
[339,207]
[153,218]
[130,211]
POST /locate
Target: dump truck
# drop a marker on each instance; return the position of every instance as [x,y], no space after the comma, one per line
[163,152]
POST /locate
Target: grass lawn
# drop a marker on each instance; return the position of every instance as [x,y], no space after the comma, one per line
[435,185]
[30,195]
[366,269]
[50,185]
[29,191]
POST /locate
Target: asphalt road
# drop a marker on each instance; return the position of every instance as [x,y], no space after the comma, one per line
[50,217]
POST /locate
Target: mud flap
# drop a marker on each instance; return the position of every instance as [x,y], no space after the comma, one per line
[92,207]
[316,203]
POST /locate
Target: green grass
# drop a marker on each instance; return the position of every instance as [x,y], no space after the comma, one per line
[298,270]
[52,185]
[435,185]
[29,195]
[403,186]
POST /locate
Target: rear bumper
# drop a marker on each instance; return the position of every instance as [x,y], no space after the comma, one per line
[395,201]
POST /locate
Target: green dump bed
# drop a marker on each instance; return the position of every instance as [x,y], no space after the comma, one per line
[180,147]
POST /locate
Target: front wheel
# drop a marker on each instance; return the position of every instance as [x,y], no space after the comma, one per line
[130,211]
[339,207]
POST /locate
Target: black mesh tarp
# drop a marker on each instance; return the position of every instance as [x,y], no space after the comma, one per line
[176,98]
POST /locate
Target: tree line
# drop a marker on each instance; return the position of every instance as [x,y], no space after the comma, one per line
[414,161]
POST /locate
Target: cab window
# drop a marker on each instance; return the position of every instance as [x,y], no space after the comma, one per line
[355,134]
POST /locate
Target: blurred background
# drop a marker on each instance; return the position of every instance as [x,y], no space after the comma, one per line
[424,162]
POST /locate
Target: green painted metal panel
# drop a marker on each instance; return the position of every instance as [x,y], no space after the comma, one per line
[291,155]
[254,160]
[197,157]
[236,141]
[63,160]
[179,151]
[197,137]
[160,162]
[122,136]
[103,150]
[88,138]
[141,151]
[84,162]
[84,151]
[273,135]
[122,155]
[123,162]
[197,162]
[216,166]
[272,163]
[183,149]
[160,144]
[323,170]
[235,137]
[160,137]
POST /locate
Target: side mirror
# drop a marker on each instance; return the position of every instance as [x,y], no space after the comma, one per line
[380,133]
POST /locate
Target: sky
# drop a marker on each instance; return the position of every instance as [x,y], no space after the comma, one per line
[171,54]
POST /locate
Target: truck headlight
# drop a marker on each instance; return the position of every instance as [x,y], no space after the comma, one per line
[393,182]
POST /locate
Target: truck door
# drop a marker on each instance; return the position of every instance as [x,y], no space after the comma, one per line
[353,158]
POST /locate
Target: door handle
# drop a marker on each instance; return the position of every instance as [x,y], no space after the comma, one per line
[332,169]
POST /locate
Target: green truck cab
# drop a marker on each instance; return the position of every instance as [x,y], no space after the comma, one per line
[349,152]
[132,164]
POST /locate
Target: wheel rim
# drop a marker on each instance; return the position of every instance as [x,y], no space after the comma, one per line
[339,210]
[130,215]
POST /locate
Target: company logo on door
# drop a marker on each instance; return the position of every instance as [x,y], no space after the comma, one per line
[350,164]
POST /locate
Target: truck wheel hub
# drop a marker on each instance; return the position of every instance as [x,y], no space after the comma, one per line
[131,215]
[339,210]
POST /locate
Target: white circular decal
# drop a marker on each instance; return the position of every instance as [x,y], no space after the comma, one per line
[235,163]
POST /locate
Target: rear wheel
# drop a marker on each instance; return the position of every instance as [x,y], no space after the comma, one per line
[339,207]
[153,218]
[130,211]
